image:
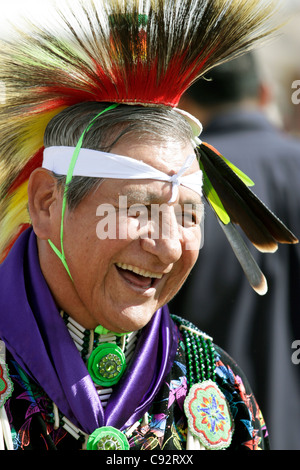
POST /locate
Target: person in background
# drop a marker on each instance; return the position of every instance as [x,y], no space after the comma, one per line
[260,331]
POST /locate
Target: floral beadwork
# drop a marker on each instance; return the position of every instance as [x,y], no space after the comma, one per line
[166,427]
[209,418]
[6,386]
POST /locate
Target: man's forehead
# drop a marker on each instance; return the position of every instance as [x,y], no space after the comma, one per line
[167,157]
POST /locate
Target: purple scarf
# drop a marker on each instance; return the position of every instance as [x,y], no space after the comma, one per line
[36,336]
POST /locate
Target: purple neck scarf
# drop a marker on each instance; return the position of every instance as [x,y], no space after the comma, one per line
[36,336]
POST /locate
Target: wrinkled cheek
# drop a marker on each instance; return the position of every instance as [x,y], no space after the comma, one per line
[129,228]
[187,262]
[172,288]
[193,241]
[189,257]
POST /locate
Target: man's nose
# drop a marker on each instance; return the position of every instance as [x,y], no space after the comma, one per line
[163,238]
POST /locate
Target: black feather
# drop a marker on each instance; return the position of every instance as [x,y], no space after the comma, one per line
[244,208]
[251,269]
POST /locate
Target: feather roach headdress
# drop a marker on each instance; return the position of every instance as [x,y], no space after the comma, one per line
[137,52]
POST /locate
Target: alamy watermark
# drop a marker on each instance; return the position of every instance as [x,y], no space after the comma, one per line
[156,221]
[296,93]
[295,357]
[296,354]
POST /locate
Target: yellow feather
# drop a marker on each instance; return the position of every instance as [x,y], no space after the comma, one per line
[16,213]
[28,139]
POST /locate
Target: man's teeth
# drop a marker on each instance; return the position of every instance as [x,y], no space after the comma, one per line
[139,271]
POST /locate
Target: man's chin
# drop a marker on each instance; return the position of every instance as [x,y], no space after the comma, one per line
[131,319]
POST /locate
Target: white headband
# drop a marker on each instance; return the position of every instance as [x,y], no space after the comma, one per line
[97,164]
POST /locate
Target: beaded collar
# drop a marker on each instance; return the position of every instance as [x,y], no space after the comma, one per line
[210,424]
[87,342]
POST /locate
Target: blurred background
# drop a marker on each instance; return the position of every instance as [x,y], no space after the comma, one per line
[280,64]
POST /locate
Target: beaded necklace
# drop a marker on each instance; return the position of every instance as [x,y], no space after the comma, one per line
[200,352]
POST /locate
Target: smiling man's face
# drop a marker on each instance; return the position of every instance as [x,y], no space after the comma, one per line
[120,283]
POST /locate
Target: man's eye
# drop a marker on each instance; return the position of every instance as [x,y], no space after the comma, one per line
[189,219]
[138,210]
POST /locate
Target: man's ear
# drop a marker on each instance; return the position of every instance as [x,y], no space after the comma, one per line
[44,202]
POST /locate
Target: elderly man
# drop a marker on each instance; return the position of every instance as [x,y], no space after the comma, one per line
[116,283]
[90,356]
[146,270]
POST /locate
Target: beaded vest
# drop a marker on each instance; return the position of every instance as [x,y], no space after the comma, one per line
[107,354]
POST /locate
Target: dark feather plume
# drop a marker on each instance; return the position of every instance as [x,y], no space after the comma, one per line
[244,208]
[251,269]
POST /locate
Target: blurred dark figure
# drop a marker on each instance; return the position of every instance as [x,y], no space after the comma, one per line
[257,331]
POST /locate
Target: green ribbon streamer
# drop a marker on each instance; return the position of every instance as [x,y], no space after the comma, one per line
[61,254]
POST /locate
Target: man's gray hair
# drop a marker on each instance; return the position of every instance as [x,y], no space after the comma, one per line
[152,124]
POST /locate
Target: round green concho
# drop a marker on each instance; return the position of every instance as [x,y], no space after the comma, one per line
[107,438]
[106,364]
